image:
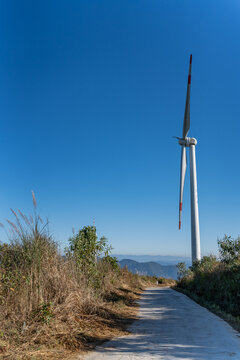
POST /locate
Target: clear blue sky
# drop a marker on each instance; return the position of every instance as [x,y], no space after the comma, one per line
[92,92]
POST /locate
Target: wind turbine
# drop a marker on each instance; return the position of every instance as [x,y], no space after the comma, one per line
[187,142]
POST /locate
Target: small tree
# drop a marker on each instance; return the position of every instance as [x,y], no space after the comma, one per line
[229,249]
[86,248]
[182,270]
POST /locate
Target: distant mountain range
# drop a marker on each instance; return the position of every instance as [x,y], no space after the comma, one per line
[150,268]
[161,259]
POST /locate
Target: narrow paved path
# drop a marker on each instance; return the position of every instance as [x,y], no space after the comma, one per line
[172,327]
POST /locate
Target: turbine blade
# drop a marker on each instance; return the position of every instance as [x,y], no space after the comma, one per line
[186,123]
[182,179]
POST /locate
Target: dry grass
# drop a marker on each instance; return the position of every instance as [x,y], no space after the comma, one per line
[78,324]
[47,308]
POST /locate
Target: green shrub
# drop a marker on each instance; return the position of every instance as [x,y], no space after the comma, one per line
[112,262]
[182,270]
[229,249]
[85,248]
[217,281]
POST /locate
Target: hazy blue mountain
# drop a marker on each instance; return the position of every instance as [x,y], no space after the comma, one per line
[150,268]
[161,259]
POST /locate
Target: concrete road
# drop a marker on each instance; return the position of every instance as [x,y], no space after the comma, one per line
[172,327]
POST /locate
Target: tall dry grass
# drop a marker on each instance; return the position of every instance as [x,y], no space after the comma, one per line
[45,300]
[32,270]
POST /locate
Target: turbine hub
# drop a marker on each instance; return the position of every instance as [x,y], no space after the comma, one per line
[187,141]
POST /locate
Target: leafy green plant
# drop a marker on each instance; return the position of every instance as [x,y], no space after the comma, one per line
[229,249]
[182,270]
[85,249]
[112,262]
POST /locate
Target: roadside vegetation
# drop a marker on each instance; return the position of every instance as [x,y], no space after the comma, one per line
[215,282]
[52,305]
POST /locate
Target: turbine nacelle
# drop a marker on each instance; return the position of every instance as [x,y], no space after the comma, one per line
[187,141]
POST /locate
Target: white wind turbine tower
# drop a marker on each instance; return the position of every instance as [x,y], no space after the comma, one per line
[190,143]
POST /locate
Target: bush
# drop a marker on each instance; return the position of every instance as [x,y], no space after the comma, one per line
[229,249]
[112,262]
[85,249]
[167,282]
[217,282]
[182,270]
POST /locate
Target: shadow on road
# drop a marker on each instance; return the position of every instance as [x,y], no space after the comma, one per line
[173,326]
